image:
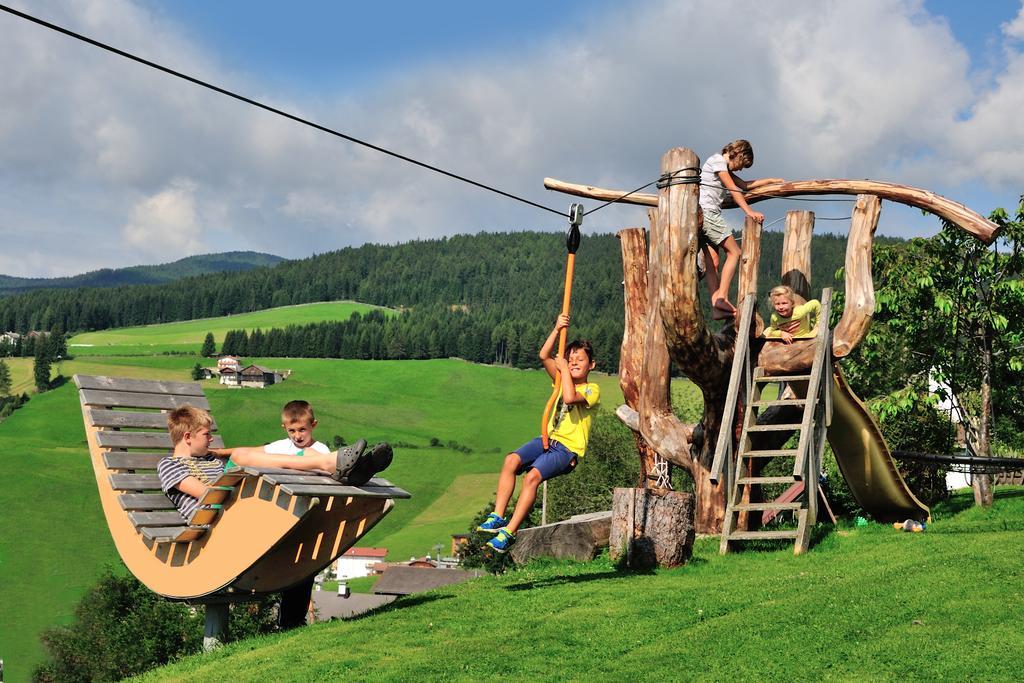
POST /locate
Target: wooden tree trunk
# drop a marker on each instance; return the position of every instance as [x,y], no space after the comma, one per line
[631,357]
[702,357]
[860,287]
[651,528]
[749,259]
[796,252]
[785,359]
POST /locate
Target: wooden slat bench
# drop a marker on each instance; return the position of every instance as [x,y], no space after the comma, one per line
[260,530]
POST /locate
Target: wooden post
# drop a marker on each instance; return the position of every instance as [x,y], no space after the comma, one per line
[796,252]
[749,260]
[633,243]
[860,289]
[216,621]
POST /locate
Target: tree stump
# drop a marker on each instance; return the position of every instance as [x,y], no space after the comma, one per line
[651,527]
[577,538]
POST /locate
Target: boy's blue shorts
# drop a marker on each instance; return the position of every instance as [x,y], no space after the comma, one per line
[555,461]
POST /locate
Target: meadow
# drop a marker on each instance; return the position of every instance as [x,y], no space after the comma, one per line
[54,540]
[865,604]
[187,336]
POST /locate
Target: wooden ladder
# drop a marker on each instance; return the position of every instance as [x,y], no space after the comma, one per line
[734,465]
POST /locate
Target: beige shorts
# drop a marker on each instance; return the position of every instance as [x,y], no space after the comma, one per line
[715,228]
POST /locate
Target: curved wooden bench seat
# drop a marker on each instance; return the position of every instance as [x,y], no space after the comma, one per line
[268,529]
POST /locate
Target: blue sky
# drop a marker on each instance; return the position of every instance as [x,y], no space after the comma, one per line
[104,163]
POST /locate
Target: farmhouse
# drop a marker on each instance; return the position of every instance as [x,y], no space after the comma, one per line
[358,562]
[9,338]
[251,376]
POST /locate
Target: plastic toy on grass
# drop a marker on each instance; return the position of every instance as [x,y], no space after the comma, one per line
[911,525]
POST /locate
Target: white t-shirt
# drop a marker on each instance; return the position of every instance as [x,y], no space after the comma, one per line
[712,192]
[286,447]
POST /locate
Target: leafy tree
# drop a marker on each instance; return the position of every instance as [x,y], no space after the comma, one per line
[41,366]
[209,346]
[950,312]
[197,371]
[5,379]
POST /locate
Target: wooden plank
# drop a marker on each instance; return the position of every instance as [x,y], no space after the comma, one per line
[173,534]
[765,480]
[161,518]
[763,535]
[768,379]
[779,427]
[123,419]
[338,490]
[142,440]
[141,386]
[145,501]
[300,478]
[122,399]
[134,482]
[116,460]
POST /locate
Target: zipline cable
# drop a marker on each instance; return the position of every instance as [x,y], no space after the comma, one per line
[274,110]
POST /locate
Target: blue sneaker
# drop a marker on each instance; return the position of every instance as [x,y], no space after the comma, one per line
[501,542]
[493,523]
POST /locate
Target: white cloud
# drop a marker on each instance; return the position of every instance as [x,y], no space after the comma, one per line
[876,89]
[167,224]
[1015,28]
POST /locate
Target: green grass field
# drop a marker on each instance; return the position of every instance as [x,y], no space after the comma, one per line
[187,336]
[54,540]
[865,604]
[22,379]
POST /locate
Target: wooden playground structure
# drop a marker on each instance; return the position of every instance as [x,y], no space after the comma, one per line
[740,432]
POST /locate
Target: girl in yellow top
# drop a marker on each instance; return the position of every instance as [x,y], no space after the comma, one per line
[790,321]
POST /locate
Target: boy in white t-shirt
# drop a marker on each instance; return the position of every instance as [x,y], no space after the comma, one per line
[298,421]
[716,177]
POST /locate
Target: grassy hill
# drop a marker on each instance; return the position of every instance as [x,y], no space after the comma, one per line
[187,336]
[866,603]
[53,538]
[231,261]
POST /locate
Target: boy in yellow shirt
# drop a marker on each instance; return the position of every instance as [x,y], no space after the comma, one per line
[569,430]
[790,321]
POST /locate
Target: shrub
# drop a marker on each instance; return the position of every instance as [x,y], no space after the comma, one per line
[472,554]
[121,629]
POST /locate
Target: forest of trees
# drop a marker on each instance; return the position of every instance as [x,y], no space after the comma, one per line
[490,297]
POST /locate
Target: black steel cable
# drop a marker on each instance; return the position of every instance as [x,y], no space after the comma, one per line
[279,112]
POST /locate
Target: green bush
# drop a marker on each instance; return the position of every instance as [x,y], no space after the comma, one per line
[472,555]
[122,628]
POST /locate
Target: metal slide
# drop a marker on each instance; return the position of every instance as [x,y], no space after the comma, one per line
[864,460]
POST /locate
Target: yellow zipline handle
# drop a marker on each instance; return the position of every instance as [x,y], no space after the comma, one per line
[572,243]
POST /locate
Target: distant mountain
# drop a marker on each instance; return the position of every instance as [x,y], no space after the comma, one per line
[230,261]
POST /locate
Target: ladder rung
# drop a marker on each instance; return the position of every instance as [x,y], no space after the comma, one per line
[784,453]
[766,480]
[762,535]
[773,427]
[766,506]
[772,404]
[782,378]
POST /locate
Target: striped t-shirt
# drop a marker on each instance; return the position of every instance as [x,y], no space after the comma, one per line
[172,471]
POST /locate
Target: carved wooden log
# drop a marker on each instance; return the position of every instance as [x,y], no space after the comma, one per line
[796,252]
[783,359]
[651,527]
[658,424]
[749,259]
[860,289]
[954,212]
[704,358]
[578,538]
[631,357]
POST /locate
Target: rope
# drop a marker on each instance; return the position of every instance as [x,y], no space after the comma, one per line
[274,110]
